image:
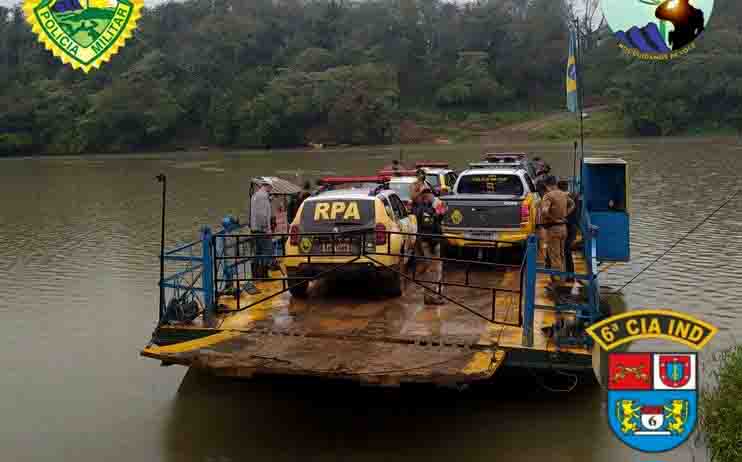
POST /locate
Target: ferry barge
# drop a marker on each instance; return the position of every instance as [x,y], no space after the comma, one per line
[214,315]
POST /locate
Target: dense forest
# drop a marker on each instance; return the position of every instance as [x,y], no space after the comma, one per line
[285,72]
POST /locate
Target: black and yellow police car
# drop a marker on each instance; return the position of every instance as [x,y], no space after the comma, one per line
[331,227]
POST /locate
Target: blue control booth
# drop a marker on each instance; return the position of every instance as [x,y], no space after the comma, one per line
[606,201]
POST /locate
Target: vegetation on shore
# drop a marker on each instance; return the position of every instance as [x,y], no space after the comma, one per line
[283,73]
[602,124]
[721,409]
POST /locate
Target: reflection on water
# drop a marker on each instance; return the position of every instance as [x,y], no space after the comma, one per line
[227,420]
[78,244]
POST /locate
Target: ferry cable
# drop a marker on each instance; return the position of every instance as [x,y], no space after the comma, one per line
[543,385]
[723,204]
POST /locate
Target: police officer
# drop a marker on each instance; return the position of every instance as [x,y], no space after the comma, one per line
[542,171]
[429,211]
[416,188]
[555,208]
[572,219]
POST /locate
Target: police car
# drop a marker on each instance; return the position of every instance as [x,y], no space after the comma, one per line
[496,204]
[331,226]
[401,186]
[438,174]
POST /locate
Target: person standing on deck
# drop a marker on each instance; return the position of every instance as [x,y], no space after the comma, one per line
[555,208]
[429,211]
[296,201]
[417,187]
[281,227]
[542,171]
[260,224]
[572,219]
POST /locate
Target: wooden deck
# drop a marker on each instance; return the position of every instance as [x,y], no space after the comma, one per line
[343,330]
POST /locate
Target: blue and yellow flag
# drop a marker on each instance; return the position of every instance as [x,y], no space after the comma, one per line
[572,101]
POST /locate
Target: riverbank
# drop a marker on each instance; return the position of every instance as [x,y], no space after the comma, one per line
[721,412]
[432,128]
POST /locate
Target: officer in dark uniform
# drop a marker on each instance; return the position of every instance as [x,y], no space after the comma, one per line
[429,212]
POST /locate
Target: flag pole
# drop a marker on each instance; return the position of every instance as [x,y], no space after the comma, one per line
[580,94]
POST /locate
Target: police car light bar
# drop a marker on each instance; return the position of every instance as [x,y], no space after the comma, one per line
[354,179]
[504,156]
[495,164]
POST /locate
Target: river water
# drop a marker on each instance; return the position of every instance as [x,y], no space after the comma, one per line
[79,239]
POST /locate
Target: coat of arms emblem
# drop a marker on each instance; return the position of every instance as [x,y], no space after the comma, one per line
[652,399]
[83,33]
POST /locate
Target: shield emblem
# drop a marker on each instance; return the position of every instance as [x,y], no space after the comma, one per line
[83,33]
[675,370]
[645,412]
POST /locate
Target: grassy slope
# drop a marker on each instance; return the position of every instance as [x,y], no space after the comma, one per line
[602,124]
[466,126]
[721,409]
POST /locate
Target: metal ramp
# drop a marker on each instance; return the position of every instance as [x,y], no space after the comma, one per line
[371,360]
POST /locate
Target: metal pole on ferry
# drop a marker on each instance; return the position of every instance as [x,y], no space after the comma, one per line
[162,179]
[580,92]
[574,166]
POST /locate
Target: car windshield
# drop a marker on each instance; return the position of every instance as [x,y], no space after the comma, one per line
[402,190]
[433,180]
[500,184]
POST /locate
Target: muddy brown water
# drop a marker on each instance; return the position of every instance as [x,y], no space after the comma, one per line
[79,239]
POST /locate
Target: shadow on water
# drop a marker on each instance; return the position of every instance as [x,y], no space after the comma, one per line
[217,419]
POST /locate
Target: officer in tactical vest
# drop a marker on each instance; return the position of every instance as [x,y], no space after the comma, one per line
[429,211]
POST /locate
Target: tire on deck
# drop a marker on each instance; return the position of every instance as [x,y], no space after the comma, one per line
[390,280]
[394,284]
[298,290]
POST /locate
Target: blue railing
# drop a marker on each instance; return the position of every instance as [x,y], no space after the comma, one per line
[586,313]
[193,280]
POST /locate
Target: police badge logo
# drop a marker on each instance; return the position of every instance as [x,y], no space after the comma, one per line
[305,245]
[83,33]
[652,399]
[457,217]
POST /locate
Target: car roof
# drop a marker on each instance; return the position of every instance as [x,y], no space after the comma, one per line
[436,171]
[492,170]
[403,179]
[604,161]
[349,193]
